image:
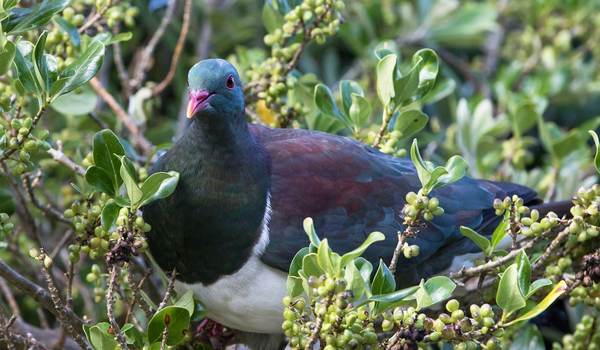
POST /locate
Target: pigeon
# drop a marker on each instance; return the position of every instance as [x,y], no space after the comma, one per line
[235,221]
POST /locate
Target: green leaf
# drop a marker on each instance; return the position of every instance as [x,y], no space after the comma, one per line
[24,19]
[597,155]
[7,56]
[524,117]
[356,283]
[396,296]
[422,170]
[467,26]
[81,101]
[359,111]
[350,256]
[81,71]
[39,63]
[555,293]
[187,302]
[176,319]
[100,180]
[99,337]
[25,72]
[419,80]
[348,88]
[324,258]
[385,78]
[294,282]
[536,285]
[546,137]
[311,266]
[271,18]
[365,268]
[524,272]
[70,29]
[456,168]
[133,335]
[106,151]
[326,104]
[434,290]
[127,172]
[109,215]
[158,185]
[482,242]
[410,122]
[309,228]
[500,231]
[509,296]
[384,281]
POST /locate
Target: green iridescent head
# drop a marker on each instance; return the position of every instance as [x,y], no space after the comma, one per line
[215,90]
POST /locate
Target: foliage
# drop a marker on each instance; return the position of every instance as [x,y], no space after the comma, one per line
[90,95]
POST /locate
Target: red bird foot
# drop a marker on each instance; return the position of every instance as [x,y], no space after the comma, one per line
[213,333]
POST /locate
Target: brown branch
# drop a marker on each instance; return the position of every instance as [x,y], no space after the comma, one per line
[62,158]
[562,235]
[169,290]
[10,298]
[397,252]
[48,209]
[185,26]
[122,116]
[68,323]
[318,325]
[145,55]
[110,305]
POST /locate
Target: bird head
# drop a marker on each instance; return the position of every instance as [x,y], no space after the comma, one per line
[215,90]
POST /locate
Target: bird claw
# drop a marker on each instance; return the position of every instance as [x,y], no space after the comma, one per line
[213,333]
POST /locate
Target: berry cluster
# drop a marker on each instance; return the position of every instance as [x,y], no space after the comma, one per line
[335,322]
[586,336]
[6,227]
[18,139]
[420,205]
[269,80]
[391,144]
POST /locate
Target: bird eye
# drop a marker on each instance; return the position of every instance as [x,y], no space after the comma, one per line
[230,82]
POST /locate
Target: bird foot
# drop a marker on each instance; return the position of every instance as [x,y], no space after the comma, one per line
[213,333]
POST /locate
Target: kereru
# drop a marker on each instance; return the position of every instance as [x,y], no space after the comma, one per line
[234,222]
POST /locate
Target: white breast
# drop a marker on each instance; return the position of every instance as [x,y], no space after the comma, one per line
[249,300]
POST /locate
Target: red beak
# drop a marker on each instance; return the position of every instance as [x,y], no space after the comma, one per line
[198,99]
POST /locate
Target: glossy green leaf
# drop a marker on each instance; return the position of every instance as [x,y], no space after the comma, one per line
[359,111]
[24,19]
[81,71]
[157,186]
[509,296]
[129,179]
[555,293]
[324,258]
[383,281]
[326,104]
[294,282]
[482,242]
[100,180]
[396,296]
[77,102]
[25,72]
[309,228]
[39,63]
[70,29]
[536,285]
[109,215]
[7,57]
[187,302]
[528,338]
[410,122]
[524,272]
[99,337]
[132,335]
[176,319]
[106,151]
[385,78]
[456,168]
[271,18]
[311,266]
[500,231]
[348,88]
[433,291]
[422,170]
[356,283]
[350,256]
[364,266]
[597,154]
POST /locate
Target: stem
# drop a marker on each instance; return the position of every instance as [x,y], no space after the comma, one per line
[21,138]
[110,304]
[387,116]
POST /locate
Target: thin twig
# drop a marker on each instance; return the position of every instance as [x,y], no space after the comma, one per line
[22,138]
[169,290]
[110,305]
[48,209]
[122,115]
[60,157]
[93,18]
[10,298]
[397,252]
[318,325]
[562,235]
[165,336]
[145,56]
[185,26]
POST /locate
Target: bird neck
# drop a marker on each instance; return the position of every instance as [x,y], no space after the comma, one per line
[222,195]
